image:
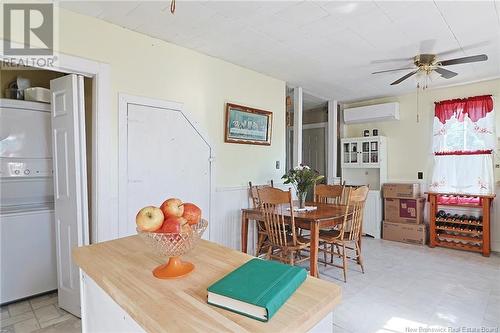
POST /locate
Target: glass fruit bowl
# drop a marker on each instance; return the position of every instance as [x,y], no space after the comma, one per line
[174,245]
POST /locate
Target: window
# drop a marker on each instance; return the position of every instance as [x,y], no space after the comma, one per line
[463,141]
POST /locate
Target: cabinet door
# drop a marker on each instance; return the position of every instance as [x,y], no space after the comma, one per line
[350,151]
[365,152]
[374,152]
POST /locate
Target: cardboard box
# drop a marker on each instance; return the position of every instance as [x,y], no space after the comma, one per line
[410,233]
[404,210]
[401,190]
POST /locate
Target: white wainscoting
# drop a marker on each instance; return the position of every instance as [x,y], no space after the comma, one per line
[226,229]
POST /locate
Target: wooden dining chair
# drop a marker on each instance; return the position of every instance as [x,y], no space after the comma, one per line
[331,194]
[273,203]
[261,232]
[347,237]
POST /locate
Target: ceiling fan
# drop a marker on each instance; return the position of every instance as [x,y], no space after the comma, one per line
[427,63]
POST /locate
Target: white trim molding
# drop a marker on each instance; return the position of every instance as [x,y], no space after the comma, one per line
[297,126]
[332,152]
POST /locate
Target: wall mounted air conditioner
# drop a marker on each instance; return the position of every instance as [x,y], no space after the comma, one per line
[372,113]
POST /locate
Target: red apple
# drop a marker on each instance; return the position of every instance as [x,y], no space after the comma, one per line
[149,218]
[173,225]
[172,207]
[192,213]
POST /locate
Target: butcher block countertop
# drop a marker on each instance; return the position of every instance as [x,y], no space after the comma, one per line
[122,268]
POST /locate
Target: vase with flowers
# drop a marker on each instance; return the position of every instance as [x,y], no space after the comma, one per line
[303,178]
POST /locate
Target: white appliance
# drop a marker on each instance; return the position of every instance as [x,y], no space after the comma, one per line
[27,226]
[372,113]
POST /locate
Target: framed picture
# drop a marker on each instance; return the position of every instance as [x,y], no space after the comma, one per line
[248,125]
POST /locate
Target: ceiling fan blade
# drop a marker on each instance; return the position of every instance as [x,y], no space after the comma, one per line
[463,49]
[445,73]
[401,79]
[384,61]
[393,70]
[464,60]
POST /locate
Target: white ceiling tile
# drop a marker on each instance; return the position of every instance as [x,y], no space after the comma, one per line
[324,27]
[82,7]
[233,9]
[471,31]
[302,13]
[115,9]
[143,14]
[347,9]
[396,10]
[328,47]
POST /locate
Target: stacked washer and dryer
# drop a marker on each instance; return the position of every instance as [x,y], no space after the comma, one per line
[27,226]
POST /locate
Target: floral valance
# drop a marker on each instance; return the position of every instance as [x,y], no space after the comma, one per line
[475,107]
[464,126]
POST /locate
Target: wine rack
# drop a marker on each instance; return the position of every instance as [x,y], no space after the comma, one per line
[465,232]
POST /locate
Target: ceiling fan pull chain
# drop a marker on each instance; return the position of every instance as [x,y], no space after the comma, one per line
[172,6]
[418,99]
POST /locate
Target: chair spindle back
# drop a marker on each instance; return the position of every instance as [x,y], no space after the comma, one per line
[273,203]
[253,192]
[353,221]
[330,194]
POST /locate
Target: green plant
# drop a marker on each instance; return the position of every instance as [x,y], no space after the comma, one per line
[302,178]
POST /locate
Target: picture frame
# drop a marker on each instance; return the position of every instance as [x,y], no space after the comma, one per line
[246,125]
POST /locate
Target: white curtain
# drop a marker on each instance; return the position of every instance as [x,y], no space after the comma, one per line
[463,160]
[463,174]
[464,135]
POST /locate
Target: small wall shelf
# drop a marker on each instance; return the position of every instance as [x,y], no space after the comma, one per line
[471,233]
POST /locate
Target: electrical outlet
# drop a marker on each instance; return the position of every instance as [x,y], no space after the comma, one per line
[420,175]
[277,165]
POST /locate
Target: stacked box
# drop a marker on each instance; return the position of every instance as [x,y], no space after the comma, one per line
[405,232]
[404,210]
[401,190]
[403,213]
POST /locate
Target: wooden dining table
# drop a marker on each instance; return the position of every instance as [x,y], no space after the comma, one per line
[325,216]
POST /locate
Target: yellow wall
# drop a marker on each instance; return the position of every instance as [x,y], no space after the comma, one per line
[145,66]
[409,142]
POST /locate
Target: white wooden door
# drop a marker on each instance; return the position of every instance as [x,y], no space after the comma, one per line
[70,197]
[314,148]
[166,157]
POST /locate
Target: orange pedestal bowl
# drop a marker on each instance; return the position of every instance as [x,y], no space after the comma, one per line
[174,245]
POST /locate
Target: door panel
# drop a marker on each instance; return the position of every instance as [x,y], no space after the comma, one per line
[314,149]
[166,157]
[69,184]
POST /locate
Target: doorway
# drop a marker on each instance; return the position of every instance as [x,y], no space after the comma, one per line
[51,207]
[314,143]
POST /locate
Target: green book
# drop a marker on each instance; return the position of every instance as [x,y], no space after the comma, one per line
[256,289]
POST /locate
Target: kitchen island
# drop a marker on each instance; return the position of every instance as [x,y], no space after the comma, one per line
[120,294]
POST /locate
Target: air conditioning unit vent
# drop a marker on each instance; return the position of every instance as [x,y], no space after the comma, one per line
[372,113]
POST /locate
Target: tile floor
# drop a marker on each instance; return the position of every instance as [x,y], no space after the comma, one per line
[39,314]
[405,288]
[409,287]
